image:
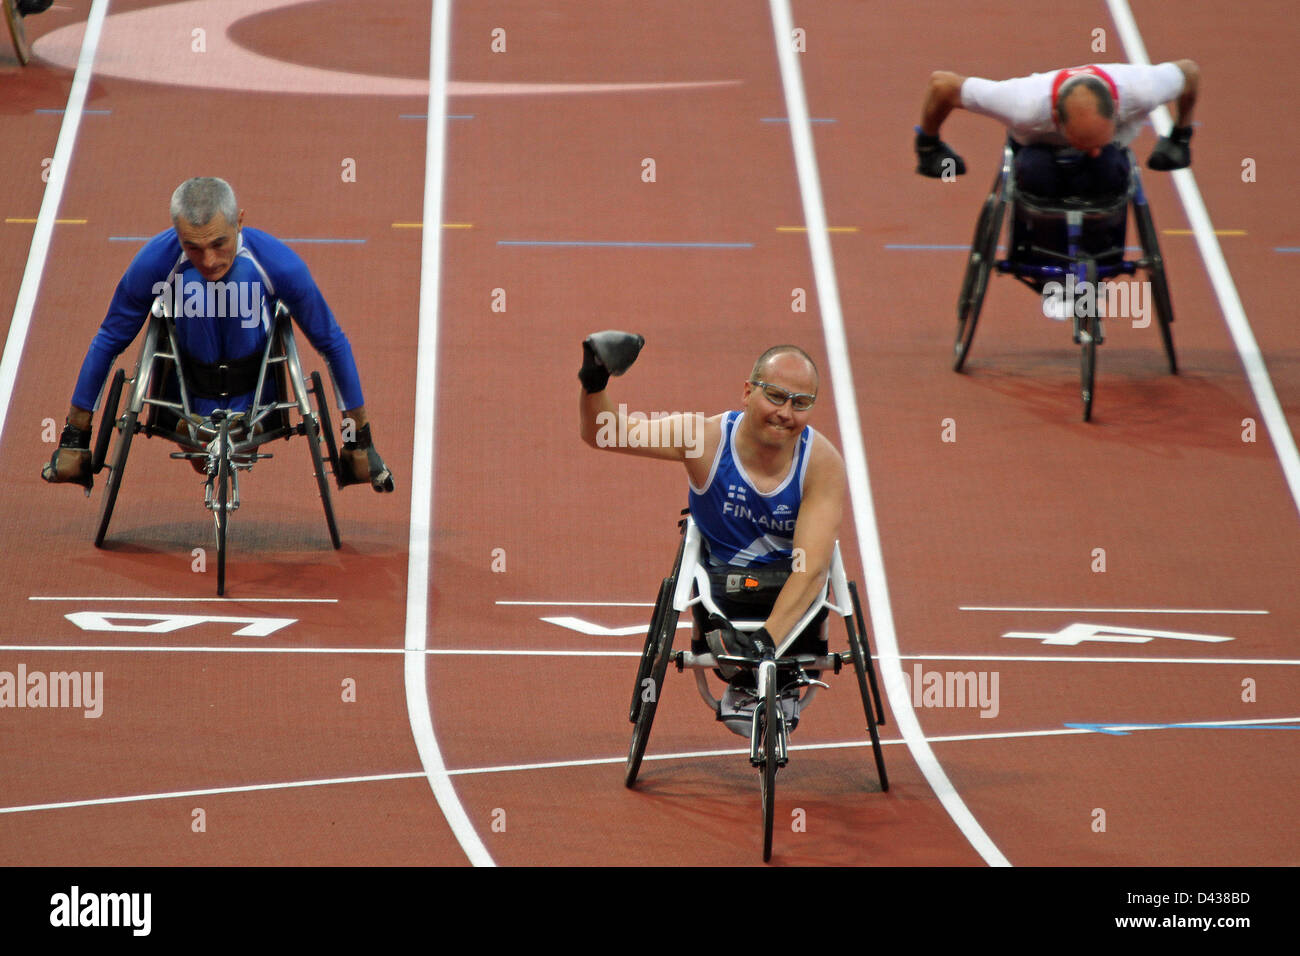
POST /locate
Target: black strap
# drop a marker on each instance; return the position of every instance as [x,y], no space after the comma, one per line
[222,379]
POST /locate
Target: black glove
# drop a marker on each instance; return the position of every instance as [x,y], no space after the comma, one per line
[359,455]
[1173,151]
[607,353]
[933,156]
[29,7]
[71,460]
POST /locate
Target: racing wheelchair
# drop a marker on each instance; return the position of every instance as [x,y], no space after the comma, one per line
[780,676]
[1073,242]
[226,441]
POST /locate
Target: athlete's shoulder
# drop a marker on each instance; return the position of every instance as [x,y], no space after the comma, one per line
[824,458]
[273,253]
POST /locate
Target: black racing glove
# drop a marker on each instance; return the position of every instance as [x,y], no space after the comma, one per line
[360,458]
[71,460]
[593,375]
[1173,151]
[935,158]
[607,353]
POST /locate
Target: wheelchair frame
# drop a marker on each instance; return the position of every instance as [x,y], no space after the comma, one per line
[1091,268]
[688,585]
[228,441]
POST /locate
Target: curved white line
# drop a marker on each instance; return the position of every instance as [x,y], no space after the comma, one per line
[419,708]
[855,455]
[155,45]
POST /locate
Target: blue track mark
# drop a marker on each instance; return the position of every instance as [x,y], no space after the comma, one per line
[60,112]
[351,242]
[626,245]
[786,119]
[1114,728]
[425,116]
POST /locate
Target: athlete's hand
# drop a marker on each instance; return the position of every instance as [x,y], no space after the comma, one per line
[361,463]
[936,159]
[607,353]
[71,460]
[1173,151]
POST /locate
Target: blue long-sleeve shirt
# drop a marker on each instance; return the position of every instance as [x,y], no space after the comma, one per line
[230,324]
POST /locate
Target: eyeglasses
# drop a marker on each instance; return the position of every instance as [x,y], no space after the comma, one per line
[799,401]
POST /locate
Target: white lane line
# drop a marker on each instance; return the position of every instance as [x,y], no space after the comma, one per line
[1112,610]
[600,761]
[211,791]
[186,600]
[191,649]
[855,456]
[419,707]
[44,231]
[535,652]
[1217,267]
[576,603]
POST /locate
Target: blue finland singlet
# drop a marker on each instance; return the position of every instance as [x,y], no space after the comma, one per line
[744,528]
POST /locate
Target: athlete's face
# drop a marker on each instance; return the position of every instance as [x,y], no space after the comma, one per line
[211,248]
[776,425]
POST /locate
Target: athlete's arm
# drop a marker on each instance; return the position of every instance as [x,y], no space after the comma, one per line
[1191,84]
[942,96]
[815,533]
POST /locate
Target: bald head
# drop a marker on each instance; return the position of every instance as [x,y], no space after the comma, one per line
[1085,111]
[788,357]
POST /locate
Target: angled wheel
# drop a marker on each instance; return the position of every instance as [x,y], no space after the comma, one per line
[865,671]
[313,431]
[126,433]
[650,647]
[1155,266]
[651,688]
[664,601]
[769,727]
[107,419]
[221,497]
[326,426]
[1089,337]
[984,248]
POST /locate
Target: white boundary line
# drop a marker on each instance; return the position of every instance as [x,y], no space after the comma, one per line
[53,196]
[600,761]
[855,457]
[1111,610]
[189,600]
[536,652]
[1217,267]
[419,708]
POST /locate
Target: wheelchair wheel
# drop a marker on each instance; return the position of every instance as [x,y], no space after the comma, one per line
[984,247]
[649,704]
[865,670]
[1155,266]
[221,497]
[107,418]
[127,431]
[326,426]
[1089,336]
[313,430]
[770,729]
[663,602]
[651,643]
